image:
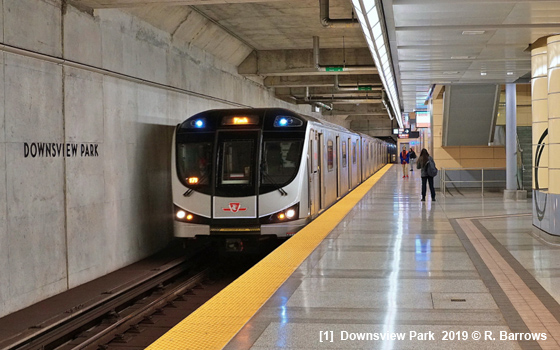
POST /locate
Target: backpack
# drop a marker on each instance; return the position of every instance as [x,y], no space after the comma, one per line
[431,169]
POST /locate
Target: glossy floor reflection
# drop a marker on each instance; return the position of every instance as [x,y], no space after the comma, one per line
[396,265]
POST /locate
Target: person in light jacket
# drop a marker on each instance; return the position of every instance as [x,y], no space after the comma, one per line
[422,163]
[404,161]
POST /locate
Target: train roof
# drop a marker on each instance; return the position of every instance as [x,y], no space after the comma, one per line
[261,112]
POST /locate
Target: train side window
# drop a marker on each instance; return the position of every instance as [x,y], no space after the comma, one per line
[330,155]
[353,152]
[344,158]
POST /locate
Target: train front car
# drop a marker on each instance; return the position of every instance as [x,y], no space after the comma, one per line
[240,175]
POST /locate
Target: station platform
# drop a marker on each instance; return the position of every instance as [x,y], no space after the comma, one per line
[383,270]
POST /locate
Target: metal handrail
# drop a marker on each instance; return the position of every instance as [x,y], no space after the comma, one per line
[444,181]
[520,166]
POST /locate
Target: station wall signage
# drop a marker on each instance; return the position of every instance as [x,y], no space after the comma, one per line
[59,149]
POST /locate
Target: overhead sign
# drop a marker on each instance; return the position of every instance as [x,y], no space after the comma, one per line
[335,69]
[407,134]
[422,119]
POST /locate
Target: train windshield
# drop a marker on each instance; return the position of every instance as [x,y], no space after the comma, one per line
[194,164]
[237,162]
[279,164]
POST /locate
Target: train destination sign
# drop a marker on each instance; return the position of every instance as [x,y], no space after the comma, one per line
[59,149]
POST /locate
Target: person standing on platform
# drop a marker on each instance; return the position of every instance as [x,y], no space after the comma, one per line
[423,163]
[412,156]
[404,161]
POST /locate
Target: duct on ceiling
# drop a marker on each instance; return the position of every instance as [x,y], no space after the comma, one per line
[321,68]
[328,22]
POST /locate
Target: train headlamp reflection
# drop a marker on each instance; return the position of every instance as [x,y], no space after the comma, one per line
[290,213]
[181,214]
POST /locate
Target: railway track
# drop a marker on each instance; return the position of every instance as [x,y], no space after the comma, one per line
[135,314]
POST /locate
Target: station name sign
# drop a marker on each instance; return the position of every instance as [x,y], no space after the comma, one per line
[59,149]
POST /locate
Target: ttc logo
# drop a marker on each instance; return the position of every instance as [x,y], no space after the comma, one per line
[234,208]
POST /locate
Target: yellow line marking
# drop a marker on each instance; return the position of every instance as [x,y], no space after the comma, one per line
[536,316]
[216,322]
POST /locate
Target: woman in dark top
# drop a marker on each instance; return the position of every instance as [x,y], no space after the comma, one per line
[423,164]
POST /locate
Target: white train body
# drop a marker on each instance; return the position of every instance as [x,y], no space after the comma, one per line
[258,172]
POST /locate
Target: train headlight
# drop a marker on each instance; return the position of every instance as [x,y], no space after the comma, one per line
[288,214]
[187,217]
[287,122]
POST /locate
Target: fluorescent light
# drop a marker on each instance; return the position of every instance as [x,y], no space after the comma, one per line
[482,73]
[377,30]
[473,32]
[373,28]
[509,73]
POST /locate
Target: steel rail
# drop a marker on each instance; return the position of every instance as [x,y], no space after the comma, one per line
[137,316]
[76,318]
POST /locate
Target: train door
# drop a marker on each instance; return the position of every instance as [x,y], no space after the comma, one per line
[338,166]
[349,164]
[314,174]
[321,166]
[235,193]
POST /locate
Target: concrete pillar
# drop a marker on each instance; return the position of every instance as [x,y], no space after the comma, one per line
[539,93]
[554,114]
[539,102]
[511,137]
[553,144]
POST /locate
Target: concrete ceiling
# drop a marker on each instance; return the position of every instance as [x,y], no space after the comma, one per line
[431,41]
[273,40]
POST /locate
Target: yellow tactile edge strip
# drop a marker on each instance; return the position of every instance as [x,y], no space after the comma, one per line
[216,322]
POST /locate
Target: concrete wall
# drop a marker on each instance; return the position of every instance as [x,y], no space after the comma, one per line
[375,126]
[67,220]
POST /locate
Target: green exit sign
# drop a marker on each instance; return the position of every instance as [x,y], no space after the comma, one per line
[364,88]
[335,69]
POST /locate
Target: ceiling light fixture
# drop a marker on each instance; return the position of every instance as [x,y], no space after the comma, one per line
[473,32]
[482,73]
[371,21]
[509,73]
[450,73]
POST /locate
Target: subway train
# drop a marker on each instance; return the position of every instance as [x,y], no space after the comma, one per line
[240,175]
